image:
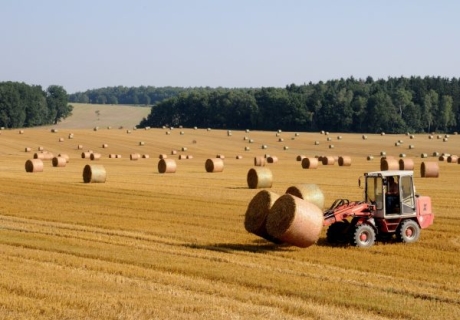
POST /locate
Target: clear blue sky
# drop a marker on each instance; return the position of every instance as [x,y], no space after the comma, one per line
[86,44]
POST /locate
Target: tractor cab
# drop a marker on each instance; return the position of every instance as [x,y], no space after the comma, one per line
[392,193]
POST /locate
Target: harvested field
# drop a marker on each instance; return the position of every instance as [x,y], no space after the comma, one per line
[145,245]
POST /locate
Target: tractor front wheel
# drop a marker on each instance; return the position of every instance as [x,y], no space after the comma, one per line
[408,231]
[337,233]
[364,236]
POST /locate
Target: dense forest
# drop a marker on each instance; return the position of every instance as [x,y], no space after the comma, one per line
[394,105]
[22,105]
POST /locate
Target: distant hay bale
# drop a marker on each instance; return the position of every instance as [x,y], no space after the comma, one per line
[39,155]
[439,136]
[162,156]
[397,144]
[369,157]
[280,140]
[195,128]
[65,156]
[105,145]
[251,140]
[184,149]
[412,136]
[189,156]
[364,137]
[182,157]
[40,148]
[308,192]
[295,221]
[442,158]
[79,147]
[118,156]
[94,174]
[435,154]
[70,136]
[446,136]
[260,177]
[112,156]
[328,160]
[402,155]
[214,165]
[296,134]
[286,148]
[34,165]
[239,157]
[310,163]
[59,162]
[331,146]
[168,133]
[21,131]
[85,155]
[27,149]
[96,128]
[54,130]
[344,161]
[429,170]
[209,129]
[300,157]
[141,143]
[247,149]
[452,159]
[383,153]
[173,152]
[382,134]
[328,139]
[259,161]
[264,146]
[445,139]
[389,164]
[339,137]
[167,166]
[430,137]
[109,128]
[424,155]
[134,156]
[316,142]
[257,212]
[406,164]
[245,138]
[400,141]
[247,130]
[411,146]
[322,132]
[95,156]
[220,156]
[272,159]
[128,131]
[182,133]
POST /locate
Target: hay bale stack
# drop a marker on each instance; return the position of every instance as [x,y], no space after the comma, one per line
[95,156]
[259,178]
[388,163]
[344,161]
[406,164]
[65,156]
[272,159]
[295,221]
[59,162]
[308,192]
[259,161]
[34,165]
[94,174]
[310,163]
[255,218]
[429,170]
[214,165]
[167,166]
[134,156]
[452,159]
[328,161]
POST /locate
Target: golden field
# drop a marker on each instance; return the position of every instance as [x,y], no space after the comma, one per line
[145,245]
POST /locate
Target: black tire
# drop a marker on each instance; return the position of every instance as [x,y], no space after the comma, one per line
[337,233]
[408,231]
[364,236]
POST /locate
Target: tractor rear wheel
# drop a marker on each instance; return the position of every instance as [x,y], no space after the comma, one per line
[337,233]
[364,236]
[408,231]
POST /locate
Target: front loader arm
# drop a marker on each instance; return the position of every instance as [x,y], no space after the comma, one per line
[341,209]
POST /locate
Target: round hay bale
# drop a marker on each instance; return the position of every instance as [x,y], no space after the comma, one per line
[40,148]
[316,142]
[173,152]
[446,136]
[331,146]
[442,158]
[184,149]
[383,153]
[424,155]
[430,137]
[251,140]
[79,147]
[382,134]
[280,140]
[118,156]
[105,145]
[94,174]
[61,140]
[412,136]
[452,159]
[34,165]
[189,156]
[162,156]
[328,161]
[445,140]
[182,133]
[214,165]
[134,156]
[339,137]
[272,159]
[429,170]
[308,192]
[247,149]
[402,155]
[328,139]
[167,166]
[344,161]
[145,156]
[182,157]
[27,149]
[257,212]
[259,161]
[296,134]
[364,137]
[141,143]
[85,155]
[264,146]
[95,156]
[128,131]
[239,157]
[247,130]
[245,138]
[168,133]
[411,146]
[322,132]
[96,128]
[435,154]
[220,156]
[39,155]
[397,144]
[300,157]
[65,156]
[406,164]
[259,178]
[209,129]
[112,155]
[295,221]
[59,162]
[70,136]
[21,131]
[310,163]
[285,148]
[369,157]
[389,164]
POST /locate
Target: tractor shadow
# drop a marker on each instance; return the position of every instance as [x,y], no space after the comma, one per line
[258,246]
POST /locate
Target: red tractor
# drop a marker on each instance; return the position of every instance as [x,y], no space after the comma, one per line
[390,208]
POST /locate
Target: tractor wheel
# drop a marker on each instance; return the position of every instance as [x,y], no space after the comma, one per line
[364,236]
[408,231]
[337,233]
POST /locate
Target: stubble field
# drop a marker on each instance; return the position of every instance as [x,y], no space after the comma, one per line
[146,245]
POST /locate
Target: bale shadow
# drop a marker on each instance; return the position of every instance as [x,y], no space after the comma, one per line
[258,246]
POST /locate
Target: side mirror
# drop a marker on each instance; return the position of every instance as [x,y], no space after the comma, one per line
[359,183]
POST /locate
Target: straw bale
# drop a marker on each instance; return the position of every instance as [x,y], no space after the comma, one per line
[95,156]
[364,137]
[167,166]
[247,148]
[105,145]
[383,153]
[182,157]
[295,221]
[272,159]
[259,161]
[445,139]
[316,142]
[310,163]
[411,146]
[344,161]
[34,165]
[285,148]
[239,157]
[220,156]
[424,155]
[328,160]
[79,147]
[189,156]
[173,152]
[65,156]
[429,170]
[406,164]
[331,146]
[141,143]
[118,156]
[145,156]
[280,140]
[309,192]
[264,146]
[27,149]
[184,148]
[39,155]
[86,155]
[442,158]
[70,136]
[59,162]
[94,174]
[259,177]
[214,165]
[134,156]
[369,157]
[388,163]
[21,131]
[300,157]
[40,148]
[402,155]
[435,154]
[452,159]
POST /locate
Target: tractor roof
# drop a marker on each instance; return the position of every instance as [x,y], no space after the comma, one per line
[390,173]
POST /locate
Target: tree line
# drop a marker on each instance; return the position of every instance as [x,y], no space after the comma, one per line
[22,105]
[395,105]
